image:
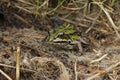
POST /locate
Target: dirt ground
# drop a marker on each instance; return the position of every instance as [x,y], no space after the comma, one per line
[94,56]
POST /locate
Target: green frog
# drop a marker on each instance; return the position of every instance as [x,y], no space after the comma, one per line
[66,34]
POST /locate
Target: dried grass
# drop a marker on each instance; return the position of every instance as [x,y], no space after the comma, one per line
[42,61]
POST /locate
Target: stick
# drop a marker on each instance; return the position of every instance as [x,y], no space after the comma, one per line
[3,73]
[18,64]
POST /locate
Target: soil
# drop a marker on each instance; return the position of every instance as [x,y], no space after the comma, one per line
[95,56]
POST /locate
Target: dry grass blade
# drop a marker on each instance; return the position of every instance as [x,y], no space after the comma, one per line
[22,19]
[26,6]
[64,75]
[112,66]
[100,4]
[3,73]
[97,60]
[73,9]
[18,64]
[73,22]
[112,23]
[94,76]
[9,66]
[24,9]
[25,2]
[104,71]
[94,21]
